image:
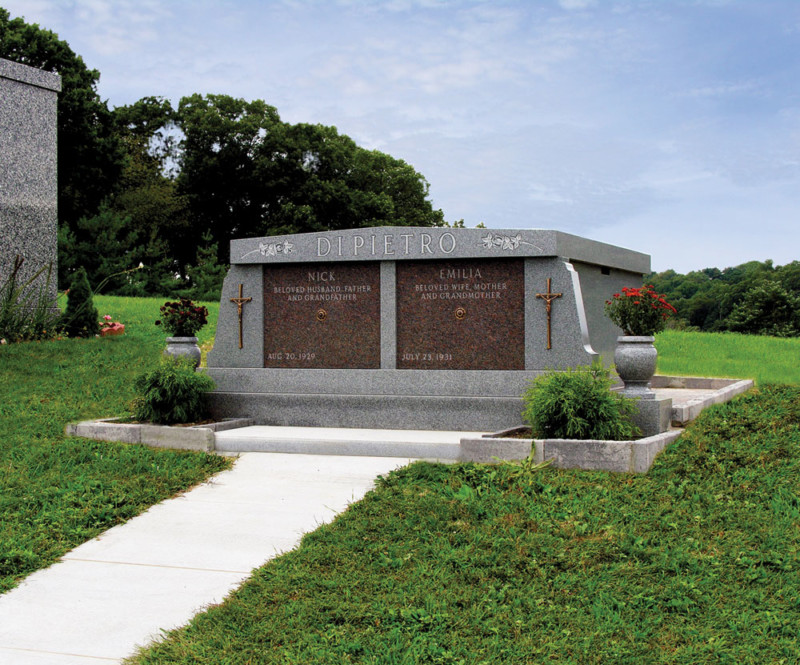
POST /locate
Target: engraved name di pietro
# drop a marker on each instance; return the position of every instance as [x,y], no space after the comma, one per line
[389,245]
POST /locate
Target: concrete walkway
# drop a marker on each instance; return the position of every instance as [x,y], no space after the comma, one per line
[155,572]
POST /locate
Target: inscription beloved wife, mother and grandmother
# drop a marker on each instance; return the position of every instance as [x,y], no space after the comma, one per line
[465,314]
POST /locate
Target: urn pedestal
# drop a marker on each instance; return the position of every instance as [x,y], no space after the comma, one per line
[183,347]
[635,360]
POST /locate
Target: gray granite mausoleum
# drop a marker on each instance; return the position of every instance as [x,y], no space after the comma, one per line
[409,328]
[28,177]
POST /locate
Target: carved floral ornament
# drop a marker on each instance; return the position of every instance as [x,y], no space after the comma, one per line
[275,248]
[272,248]
[508,243]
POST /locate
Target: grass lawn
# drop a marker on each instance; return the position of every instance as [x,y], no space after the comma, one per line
[696,562]
[56,491]
[765,359]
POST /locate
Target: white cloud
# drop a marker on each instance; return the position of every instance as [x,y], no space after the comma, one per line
[572,5]
[673,124]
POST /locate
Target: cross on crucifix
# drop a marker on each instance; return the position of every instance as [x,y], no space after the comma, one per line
[239,302]
[548,300]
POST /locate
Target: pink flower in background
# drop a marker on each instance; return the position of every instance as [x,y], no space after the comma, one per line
[109,328]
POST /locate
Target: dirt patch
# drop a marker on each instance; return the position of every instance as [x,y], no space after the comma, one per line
[519,433]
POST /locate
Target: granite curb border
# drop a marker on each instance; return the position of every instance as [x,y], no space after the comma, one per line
[724,390]
[195,437]
[634,456]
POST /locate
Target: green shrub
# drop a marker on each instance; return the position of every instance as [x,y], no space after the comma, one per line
[81,318]
[578,404]
[171,393]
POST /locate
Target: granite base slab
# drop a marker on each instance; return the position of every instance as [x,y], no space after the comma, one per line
[442,446]
[653,416]
[465,413]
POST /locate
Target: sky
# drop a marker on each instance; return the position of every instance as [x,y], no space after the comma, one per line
[671,127]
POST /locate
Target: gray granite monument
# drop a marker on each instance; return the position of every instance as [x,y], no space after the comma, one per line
[409,328]
[28,177]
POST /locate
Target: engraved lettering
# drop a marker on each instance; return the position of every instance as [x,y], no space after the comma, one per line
[323,242]
[452,242]
[425,243]
[460,273]
[340,245]
[321,276]
[373,244]
[358,243]
[387,245]
[406,237]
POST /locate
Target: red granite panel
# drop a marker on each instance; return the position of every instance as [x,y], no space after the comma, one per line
[461,314]
[322,315]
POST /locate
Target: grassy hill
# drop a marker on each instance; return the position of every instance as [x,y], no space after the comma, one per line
[56,492]
[696,562]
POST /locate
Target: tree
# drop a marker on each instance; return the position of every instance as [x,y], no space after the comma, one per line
[246,173]
[766,309]
[218,176]
[89,152]
[207,274]
[101,245]
[789,277]
[148,195]
[719,300]
[80,319]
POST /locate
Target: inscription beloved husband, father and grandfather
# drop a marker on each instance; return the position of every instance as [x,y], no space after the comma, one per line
[322,316]
[409,327]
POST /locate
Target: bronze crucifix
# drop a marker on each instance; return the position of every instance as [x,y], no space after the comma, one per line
[548,300]
[241,301]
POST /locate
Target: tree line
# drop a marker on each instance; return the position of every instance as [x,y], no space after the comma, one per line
[166,188]
[149,195]
[755,298]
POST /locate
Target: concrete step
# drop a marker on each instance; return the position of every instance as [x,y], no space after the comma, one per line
[417,444]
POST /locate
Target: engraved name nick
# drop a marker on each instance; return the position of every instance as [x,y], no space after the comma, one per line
[321,276]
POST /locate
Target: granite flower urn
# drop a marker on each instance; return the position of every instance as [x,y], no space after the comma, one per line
[183,347]
[635,359]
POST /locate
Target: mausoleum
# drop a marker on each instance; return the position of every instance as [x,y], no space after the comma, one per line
[28,177]
[409,328]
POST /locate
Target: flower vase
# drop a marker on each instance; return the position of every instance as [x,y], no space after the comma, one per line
[635,360]
[183,346]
